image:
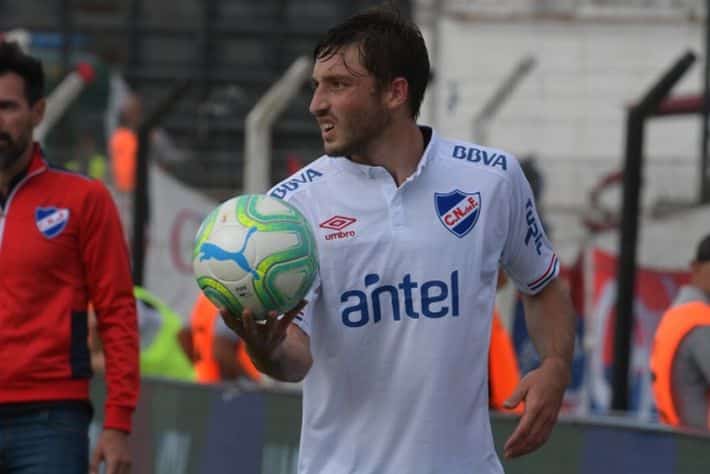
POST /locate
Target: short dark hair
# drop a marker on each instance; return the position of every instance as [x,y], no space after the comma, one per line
[390,47]
[702,254]
[13,59]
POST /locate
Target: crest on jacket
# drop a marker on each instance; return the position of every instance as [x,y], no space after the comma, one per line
[51,221]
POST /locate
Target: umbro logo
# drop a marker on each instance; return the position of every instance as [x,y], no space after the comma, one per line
[338,223]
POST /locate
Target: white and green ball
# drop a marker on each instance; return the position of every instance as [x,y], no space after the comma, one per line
[255,251]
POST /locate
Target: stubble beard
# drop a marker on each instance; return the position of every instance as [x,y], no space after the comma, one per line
[12,150]
[360,131]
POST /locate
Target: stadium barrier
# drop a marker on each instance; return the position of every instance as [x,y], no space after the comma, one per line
[183,428]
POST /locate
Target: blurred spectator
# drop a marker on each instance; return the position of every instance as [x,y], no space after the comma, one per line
[160,351]
[503,369]
[680,357]
[89,160]
[123,146]
[216,351]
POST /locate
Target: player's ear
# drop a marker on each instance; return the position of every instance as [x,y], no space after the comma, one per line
[397,93]
[38,109]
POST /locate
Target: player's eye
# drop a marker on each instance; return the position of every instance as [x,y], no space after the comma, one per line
[8,105]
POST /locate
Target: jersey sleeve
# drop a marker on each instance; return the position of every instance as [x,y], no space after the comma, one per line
[304,318]
[527,257]
[108,275]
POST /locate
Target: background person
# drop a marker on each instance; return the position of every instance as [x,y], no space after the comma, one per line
[61,246]
[160,352]
[216,352]
[680,356]
[89,160]
[123,146]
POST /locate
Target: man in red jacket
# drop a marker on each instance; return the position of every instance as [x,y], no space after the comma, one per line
[61,246]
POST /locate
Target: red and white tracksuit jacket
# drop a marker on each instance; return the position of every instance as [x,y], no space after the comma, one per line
[61,246]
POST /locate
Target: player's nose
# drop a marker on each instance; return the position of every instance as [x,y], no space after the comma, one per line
[319,104]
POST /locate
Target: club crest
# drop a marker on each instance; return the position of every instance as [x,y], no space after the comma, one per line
[458,211]
[51,221]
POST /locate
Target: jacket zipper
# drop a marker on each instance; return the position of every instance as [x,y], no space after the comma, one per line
[4,211]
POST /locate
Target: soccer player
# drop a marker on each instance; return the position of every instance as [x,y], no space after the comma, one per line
[61,246]
[411,228]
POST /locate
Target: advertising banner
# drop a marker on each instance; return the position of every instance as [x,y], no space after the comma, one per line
[175,215]
[182,428]
[655,290]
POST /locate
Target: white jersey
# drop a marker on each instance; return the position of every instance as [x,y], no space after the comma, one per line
[400,318]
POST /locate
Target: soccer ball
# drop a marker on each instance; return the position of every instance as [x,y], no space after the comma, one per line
[255,251]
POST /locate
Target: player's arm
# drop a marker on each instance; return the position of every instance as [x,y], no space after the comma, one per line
[550,320]
[532,264]
[108,276]
[549,316]
[278,348]
[110,287]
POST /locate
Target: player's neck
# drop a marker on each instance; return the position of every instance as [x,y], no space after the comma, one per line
[8,175]
[398,149]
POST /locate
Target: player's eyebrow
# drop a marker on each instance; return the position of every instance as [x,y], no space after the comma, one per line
[5,103]
[335,77]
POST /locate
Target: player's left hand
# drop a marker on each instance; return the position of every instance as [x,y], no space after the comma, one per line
[112,449]
[264,338]
[542,389]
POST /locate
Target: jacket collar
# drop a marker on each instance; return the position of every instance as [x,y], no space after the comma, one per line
[37,162]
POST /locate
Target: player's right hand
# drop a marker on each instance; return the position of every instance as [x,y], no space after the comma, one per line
[542,390]
[262,338]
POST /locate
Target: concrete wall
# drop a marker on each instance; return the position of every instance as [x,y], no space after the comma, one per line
[570,110]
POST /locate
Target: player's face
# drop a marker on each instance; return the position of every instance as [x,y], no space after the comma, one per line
[701,275]
[17,119]
[347,104]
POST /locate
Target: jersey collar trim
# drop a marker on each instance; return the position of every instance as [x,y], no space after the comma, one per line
[429,150]
[350,166]
[37,163]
